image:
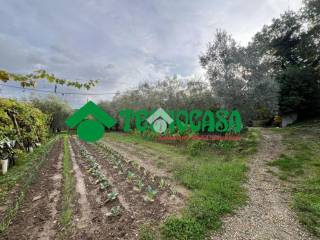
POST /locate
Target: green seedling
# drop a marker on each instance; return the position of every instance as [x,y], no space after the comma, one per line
[162,183]
[101,179]
[112,196]
[116,211]
[135,165]
[140,184]
[151,194]
[173,191]
[130,176]
[95,173]
[104,185]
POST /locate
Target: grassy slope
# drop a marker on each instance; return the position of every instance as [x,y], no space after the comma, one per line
[214,173]
[300,167]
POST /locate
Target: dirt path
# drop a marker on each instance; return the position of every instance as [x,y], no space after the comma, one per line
[268,214]
[37,217]
[48,231]
[84,218]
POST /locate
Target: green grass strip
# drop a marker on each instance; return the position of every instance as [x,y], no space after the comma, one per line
[300,166]
[66,214]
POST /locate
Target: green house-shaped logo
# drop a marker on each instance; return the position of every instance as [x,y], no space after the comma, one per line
[90,130]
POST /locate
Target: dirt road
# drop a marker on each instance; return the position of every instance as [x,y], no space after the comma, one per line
[267,214]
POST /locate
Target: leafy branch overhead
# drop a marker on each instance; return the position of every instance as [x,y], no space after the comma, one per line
[29,80]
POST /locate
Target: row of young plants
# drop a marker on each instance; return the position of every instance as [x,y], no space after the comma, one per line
[142,180]
[105,186]
[35,161]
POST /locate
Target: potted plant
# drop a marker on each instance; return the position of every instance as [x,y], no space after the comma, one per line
[6,153]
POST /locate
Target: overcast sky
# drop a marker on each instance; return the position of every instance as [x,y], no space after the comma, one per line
[121,42]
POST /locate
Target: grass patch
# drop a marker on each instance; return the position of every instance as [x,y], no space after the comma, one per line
[290,166]
[182,228]
[300,166]
[213,171]
[66,213]
[147,232]
[21,175]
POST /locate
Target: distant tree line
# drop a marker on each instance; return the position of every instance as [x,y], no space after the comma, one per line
[278,72]
[57,111]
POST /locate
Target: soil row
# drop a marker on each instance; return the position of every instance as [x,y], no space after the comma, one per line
[38,214]
[114,196]
[115,183]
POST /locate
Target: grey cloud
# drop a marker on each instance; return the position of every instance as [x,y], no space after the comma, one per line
[122,42]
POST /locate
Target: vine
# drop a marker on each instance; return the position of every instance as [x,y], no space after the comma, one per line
[30,80]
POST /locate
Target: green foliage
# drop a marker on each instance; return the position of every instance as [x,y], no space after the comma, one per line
[95,170]
[112,196]
[170,93]
[162,183]
[66,213]
[151,193]
[130,176]
[282,59]
[140,184]
[307,204]
[291,165]
[214,175]
[300,166]
[146,233]
[30,80]
[104,184]
[176,228]
[21,122]
[300,92]
[196,146]
[296,57]
[57,111]
[116,211]
[7,148]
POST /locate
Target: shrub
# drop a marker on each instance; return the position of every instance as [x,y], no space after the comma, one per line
[21,122]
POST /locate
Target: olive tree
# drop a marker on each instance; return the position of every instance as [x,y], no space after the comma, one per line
[57,110]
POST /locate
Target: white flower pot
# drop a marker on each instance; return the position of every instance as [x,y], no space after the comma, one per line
[4,164]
